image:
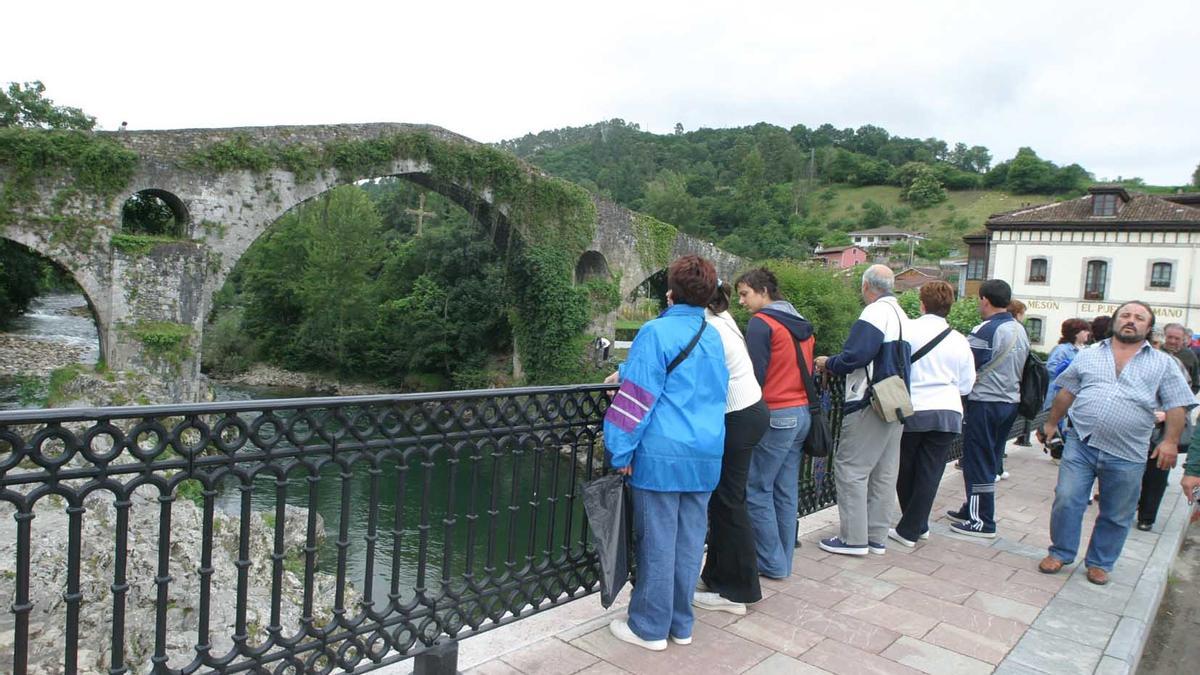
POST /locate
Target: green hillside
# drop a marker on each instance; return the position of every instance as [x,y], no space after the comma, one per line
[963,211]
[764,191]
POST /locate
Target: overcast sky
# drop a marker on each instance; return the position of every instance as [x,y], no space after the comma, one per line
[1104,84]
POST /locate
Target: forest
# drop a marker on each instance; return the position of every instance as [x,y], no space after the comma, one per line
[765,191]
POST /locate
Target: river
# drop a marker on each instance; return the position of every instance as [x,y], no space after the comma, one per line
[513,485]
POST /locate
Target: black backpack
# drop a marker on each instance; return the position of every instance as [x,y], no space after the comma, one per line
[1034,382]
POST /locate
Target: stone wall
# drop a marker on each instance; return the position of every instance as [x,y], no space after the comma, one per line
[224,214]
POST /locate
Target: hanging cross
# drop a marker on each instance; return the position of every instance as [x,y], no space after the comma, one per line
[420,213]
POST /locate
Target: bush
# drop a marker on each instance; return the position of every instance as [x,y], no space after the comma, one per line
[226,349]
[828,299]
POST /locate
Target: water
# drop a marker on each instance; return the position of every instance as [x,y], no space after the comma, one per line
[523,499]
[61,318]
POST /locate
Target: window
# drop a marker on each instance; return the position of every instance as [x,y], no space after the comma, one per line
[976,268]
[1037,271]
[1160,275]
[1033,326]
[1094,281]
[1104,205]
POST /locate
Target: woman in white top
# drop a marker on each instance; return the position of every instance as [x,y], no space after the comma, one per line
[730,574]
[942,372]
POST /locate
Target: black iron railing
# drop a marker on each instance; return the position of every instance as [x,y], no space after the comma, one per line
[289,536]
[304,535]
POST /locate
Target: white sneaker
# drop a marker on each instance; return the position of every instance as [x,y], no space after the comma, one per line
[1004,476]
[895,536]
[682,641]
[621,630]
[713,602]
[925,534]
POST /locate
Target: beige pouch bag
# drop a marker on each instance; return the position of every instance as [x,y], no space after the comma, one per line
[889,397]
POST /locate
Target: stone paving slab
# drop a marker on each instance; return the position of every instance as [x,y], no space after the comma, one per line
[951,605]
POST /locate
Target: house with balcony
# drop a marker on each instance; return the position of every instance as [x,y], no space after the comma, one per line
[1083,257]
[884,238]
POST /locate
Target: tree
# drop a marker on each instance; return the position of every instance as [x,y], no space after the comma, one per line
[925,191]
[343,254]
[678,129]
[146,214]
[24,106]
[1196,177]
[829,299]
[910,302]
[1030,174]
[964,315]
[668,200]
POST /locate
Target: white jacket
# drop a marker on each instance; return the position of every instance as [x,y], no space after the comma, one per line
[744,390]
[947,373]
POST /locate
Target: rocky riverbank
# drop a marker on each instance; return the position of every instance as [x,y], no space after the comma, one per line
[49,577]
[262,375]
[24,355]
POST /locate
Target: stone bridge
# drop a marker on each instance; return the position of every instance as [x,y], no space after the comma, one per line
[151,297]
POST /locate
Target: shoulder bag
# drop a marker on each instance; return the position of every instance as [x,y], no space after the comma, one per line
[889,397]
[819,441]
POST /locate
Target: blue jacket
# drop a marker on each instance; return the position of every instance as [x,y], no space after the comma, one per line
[671,428]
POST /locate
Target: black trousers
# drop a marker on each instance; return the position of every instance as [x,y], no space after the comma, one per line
[731,567]
[1154,486]
[922,460]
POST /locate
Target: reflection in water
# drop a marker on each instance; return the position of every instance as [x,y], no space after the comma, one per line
[483,514]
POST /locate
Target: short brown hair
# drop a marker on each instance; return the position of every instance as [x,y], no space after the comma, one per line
[1071,328]
[691,280]
[937,296]
[1016,307]
[761,280]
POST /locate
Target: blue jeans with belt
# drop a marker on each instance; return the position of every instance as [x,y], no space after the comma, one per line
[773,490]
[1120,485]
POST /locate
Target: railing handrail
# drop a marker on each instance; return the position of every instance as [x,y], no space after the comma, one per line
[43,415]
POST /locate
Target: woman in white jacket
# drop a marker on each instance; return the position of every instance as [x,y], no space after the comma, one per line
[942,372]
[730,576]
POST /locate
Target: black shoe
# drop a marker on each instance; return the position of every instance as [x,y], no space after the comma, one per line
[958,516]
[1145,527]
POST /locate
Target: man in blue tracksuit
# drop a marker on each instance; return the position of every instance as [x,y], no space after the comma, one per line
[666,431]
[1000,346]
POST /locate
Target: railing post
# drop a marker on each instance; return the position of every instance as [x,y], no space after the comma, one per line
[441,659]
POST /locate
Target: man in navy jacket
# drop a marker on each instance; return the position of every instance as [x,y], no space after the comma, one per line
[867,460]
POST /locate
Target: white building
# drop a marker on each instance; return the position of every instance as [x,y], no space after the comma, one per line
[884,237]
[1083,257]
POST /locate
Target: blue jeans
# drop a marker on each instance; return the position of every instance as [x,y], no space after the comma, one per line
[773,490]
[1120,485]
[669,529]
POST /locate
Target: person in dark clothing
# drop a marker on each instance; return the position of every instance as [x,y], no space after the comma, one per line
[729,579]
[942,372]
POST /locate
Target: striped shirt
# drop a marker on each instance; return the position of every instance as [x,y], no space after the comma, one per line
[1116,414]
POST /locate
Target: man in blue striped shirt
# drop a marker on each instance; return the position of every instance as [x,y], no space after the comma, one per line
[1109,395]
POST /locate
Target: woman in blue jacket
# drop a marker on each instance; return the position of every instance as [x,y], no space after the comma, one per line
[665,430]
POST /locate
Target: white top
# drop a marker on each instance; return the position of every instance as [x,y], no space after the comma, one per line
[744,390]
[946,373]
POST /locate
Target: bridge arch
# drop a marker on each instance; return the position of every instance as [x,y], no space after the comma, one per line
[57,261]
[230,185]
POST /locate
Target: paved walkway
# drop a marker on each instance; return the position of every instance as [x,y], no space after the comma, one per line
[952,605]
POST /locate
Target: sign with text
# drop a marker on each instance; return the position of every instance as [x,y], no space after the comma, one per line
[1087,309]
